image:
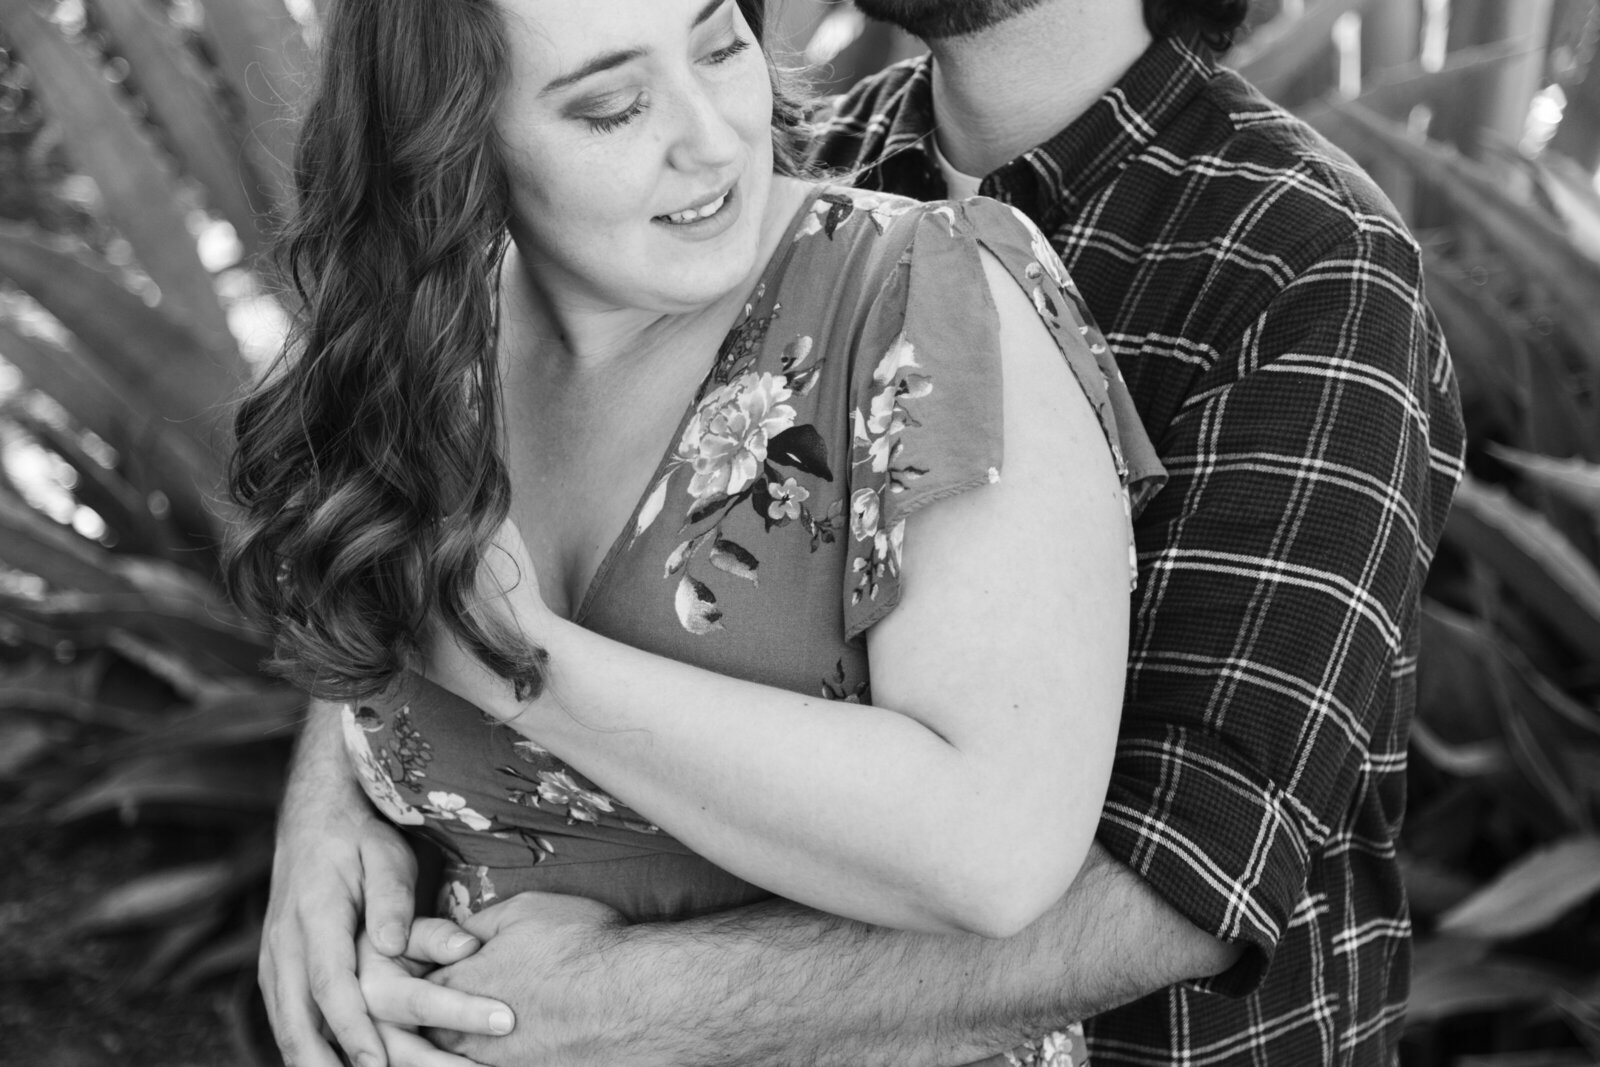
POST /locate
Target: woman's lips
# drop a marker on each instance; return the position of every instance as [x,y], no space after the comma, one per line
[704,209]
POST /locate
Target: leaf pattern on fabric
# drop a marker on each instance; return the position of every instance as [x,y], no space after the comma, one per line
[837,687]
[697,607]
[833,210]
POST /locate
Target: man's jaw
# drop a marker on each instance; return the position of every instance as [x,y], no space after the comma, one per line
[938,19]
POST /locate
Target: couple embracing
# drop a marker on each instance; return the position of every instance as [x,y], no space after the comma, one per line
[715,534]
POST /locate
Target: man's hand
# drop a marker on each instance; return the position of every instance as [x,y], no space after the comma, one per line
[334,856]
[536,950]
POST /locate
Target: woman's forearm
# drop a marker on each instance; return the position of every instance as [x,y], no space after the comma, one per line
[851,809]
[968,797]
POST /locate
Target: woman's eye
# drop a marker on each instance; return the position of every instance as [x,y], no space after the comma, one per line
[607,123]
[722,55]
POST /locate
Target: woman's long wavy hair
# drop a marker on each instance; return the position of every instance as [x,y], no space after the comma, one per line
[368,461]
[1213,21]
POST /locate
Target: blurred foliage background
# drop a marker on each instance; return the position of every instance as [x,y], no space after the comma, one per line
[143,155]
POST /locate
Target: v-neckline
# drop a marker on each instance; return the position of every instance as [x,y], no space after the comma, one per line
[762,296]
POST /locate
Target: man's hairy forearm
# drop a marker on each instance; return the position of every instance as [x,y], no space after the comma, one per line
[781,985]
[319,772]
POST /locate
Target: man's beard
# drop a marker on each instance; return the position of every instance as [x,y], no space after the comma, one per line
[944,18]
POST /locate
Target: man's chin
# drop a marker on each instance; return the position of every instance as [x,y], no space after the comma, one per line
[944,18]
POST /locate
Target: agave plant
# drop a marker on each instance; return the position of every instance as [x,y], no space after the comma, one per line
[143,147]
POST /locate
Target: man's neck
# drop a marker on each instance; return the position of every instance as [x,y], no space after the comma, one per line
[988,112]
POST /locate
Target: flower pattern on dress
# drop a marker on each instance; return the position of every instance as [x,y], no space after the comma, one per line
[1065,1048]
[877,432]
[832,210]
[466,891]
[376,780]
[786,499]
[726,441]
[396,770]
[448,806]
[549,784]
[741,432]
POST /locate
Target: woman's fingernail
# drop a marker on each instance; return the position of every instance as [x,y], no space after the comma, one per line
[500,1021]
[460,941]
[369,1059]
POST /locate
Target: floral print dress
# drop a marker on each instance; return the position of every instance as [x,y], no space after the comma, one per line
[861,383]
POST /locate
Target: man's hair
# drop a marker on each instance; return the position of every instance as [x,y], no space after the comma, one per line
[1213,21]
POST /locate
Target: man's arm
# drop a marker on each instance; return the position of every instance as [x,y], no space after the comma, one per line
[335,857]
[778,985]
[329,840]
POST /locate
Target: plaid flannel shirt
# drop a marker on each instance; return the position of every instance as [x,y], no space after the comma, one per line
[1265,305]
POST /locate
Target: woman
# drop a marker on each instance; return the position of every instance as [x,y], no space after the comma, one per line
[605,423]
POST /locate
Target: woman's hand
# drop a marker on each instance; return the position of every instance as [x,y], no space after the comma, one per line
[508,587]
[401,999]
[508,582]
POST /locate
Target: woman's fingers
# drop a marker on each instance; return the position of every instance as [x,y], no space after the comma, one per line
[407,1049]
[440,942]
[394,993]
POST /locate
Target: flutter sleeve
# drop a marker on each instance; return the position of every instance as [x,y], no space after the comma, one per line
[926,386]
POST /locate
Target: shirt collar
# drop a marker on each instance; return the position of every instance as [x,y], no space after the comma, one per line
[1053,180]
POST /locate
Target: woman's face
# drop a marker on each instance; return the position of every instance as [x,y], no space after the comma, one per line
[639,143]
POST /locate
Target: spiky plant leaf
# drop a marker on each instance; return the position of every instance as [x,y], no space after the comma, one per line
[32,543]
[1574,480]
[1530,241]
[1279,51]
[263,55]
[154,898]
[1393,93]
[172,370]
[153,455]
[184,105]
[134,179]
[221,785]
[1531,893]
[1532,557]
[1485,347]
[1486,986]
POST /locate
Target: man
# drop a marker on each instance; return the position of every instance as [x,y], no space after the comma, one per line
[1244,904]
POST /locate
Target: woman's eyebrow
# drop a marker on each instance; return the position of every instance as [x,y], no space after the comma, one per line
[608,60]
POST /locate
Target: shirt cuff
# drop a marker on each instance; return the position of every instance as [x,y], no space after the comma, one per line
[1211,838]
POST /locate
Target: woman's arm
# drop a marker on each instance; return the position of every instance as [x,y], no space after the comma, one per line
[966,799]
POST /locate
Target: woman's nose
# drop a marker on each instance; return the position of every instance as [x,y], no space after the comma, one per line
[706,139]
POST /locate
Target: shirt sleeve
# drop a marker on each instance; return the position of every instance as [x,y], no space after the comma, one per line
[926,386]
[1280,571]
